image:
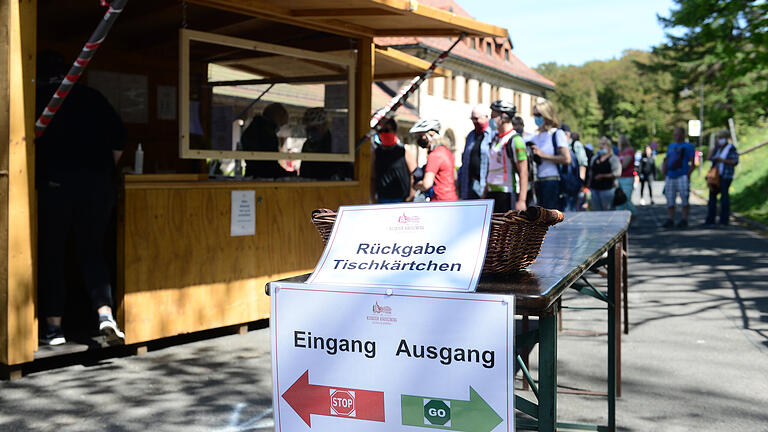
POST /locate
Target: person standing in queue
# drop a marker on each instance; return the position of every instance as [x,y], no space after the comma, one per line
[439,171]
[725,157]
[507,157]
[319,140]
[392,166]
[550,149]
[677,168]
[474,160]
[604,169]
[76,158]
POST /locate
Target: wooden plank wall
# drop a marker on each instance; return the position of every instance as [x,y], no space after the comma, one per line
[17,299]
[183,272]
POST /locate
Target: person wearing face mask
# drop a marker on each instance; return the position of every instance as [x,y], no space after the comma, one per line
[550,150]
[392,166]
[474,160]
[319,140]
[261,135]
[439,173]
[725,157]
[604,169]
[507,157]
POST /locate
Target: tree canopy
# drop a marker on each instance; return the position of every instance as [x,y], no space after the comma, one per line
[718,48]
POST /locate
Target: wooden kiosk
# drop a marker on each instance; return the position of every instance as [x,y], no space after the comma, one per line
[178,269]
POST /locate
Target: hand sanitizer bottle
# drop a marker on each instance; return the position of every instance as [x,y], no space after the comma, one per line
[138,161]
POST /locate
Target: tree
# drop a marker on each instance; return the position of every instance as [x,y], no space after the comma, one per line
[723,46]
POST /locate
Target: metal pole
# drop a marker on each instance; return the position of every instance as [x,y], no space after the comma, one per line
[86,54]
[389,110]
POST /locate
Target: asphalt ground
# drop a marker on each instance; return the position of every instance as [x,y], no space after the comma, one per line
[696,357]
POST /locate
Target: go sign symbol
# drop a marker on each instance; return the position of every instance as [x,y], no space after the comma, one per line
[437,412]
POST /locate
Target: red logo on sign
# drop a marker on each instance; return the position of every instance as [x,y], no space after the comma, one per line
[343,402]
[408,219]
[381,309]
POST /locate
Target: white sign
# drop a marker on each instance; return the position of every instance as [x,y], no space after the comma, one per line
[694,128]
[243,214]
[347,359]
[438,246]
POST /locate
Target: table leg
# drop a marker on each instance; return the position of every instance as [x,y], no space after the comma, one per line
[548,372]
[614,330]
[625,284]
[525,356]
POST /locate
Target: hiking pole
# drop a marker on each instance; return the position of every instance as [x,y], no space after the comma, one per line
[86,54]
[388,111]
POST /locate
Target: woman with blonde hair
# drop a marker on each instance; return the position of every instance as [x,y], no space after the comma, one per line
[550,149]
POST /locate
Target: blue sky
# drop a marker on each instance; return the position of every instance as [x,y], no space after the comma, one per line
[573,32]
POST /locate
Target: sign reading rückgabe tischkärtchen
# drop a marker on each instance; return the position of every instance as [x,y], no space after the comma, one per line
[439,246]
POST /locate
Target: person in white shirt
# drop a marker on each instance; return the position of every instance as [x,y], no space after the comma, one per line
[550,149]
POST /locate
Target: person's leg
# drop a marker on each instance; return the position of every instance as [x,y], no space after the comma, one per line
[711,208]
[684,192]
[670,193]
[550,191]
[725,201]
[91,221]
[627,184]
[650,189]
[54,222]
[608,196]
[597,205]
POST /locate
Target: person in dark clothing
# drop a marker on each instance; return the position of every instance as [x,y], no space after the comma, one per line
[319,141]
[393,165]
[261,135]
[647,173]
[76,157]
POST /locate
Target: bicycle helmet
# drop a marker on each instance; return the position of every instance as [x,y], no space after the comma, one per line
[425,125]
[314,116]
[504,107]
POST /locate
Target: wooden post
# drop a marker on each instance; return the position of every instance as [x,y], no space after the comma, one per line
[18,332]
[363,96]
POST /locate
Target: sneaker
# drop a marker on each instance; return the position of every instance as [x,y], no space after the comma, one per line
[682,224]
[668,224]
[642,201]
[108,328]
[53,337]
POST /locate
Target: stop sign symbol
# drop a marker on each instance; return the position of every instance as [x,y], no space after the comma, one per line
[437,412]
[343,402]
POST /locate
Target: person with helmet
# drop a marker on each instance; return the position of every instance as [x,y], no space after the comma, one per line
[507,157]
[319,140]
[474,159]
[392,166]
[439,171]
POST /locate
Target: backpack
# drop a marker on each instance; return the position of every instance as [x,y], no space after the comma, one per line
[393,180]
[677,162]
[529,160]
[570,182]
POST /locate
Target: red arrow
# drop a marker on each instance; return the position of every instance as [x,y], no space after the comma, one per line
[306,399]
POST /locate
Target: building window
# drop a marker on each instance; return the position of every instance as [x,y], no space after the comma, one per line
[474,43]
[488,48]
[533,102]
[431,86]
[506,54]
[448,88]
[466,90]
[518,100]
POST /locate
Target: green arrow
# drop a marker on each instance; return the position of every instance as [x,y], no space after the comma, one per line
[474,415]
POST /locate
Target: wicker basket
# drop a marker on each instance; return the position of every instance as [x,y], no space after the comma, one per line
[514,243]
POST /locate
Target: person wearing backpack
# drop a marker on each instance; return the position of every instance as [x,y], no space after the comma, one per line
[507,157]
[572,175]
[677,168]
[519,125]
[393,164]
[550,149]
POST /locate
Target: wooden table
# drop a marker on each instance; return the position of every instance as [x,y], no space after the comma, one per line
[569,250]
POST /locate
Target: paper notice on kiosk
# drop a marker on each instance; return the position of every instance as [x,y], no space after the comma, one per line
[437,246]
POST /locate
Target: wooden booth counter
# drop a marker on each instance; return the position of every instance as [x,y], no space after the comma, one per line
[180,271]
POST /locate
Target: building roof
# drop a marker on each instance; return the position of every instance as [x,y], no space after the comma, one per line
[514,66]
